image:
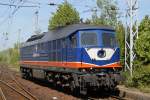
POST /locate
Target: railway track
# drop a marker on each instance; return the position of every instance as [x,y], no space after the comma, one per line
[13,87]
[2,96]
[13,84]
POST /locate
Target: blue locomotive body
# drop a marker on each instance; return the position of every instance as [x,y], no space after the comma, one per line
[76,50]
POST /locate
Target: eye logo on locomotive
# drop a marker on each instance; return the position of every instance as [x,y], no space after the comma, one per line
[100,53]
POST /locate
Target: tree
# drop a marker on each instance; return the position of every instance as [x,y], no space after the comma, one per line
[120,34]
[109,11]
[96,20]
[65,15]
[142,46]
[144,25]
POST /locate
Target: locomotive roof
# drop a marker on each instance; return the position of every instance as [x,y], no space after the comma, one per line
[64,32]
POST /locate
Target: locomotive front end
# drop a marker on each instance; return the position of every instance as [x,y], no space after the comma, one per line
[100,57]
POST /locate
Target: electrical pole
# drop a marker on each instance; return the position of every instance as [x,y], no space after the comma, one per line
[19,33]
[131,34]
[36,21]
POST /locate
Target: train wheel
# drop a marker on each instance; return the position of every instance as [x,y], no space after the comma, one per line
[23,73]
[74,89]
[24,76]
[30,74]
[83,88]
[26,73]
[49,78]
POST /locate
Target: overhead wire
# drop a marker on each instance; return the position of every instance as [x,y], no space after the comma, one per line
[9,18]
[33,2]
[14,11]
[18,6]
[6,18]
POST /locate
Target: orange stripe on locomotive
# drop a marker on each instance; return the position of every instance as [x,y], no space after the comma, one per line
[74,65]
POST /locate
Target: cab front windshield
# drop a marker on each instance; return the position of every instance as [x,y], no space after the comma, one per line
[109,40]
[90,38]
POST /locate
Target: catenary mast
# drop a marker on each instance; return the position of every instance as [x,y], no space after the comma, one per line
[131,34]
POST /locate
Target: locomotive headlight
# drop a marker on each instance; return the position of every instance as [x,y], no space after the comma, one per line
[101,53]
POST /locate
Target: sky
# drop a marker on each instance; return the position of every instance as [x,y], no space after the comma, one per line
[23,21]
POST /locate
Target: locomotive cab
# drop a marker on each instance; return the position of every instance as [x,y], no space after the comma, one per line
[96,48]
[99,56]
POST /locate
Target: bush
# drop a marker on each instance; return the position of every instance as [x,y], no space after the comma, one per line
[10,56]
[140,79]
[143,47]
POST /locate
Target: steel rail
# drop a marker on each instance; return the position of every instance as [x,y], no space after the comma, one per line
[2,95]
[4,83]
[20,86]
[28,95]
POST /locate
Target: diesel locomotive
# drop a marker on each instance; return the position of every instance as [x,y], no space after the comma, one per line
[80,57]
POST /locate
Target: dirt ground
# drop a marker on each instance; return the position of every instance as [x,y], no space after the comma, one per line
[44,92]
[39,88]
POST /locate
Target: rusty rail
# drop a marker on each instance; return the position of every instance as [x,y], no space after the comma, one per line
[20,86]
[2,95]
[4,83]
[26,94]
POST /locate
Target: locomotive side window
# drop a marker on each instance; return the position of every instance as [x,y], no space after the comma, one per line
[63,43]
[109,40]
[89,39]
[58,44]
[54,44]
[73,40]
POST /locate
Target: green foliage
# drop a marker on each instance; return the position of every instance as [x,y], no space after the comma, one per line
[144,25]
[120,30]
[10,56]
[96,20]
[140,78]
[141,73]
[3,57]
[108,12]
[141,68]
[142,46]
[65,15]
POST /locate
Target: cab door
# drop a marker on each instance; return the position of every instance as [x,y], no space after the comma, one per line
[64,51]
